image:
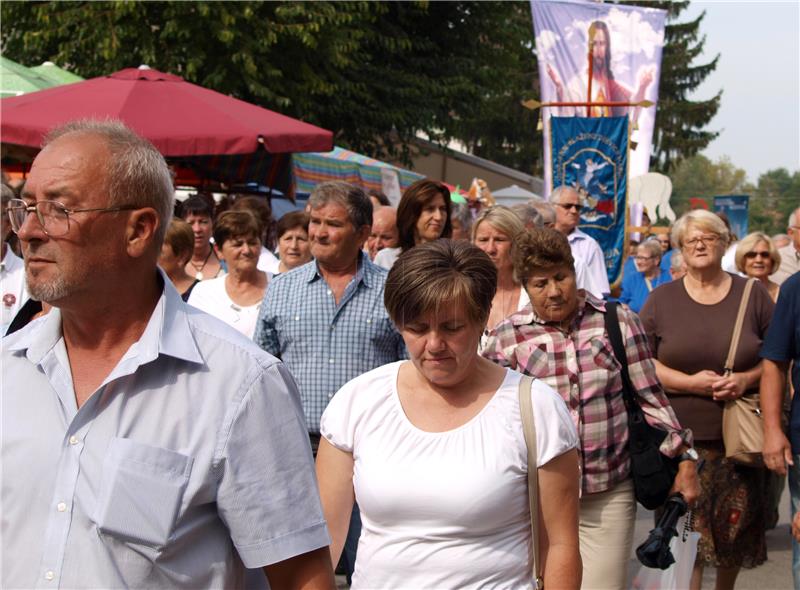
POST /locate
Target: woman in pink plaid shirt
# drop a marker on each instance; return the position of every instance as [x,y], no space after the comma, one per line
[561,339]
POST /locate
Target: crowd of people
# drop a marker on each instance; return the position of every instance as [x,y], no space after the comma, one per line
[172,372]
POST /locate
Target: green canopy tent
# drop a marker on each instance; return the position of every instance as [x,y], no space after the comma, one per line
[58,76]
[16,79]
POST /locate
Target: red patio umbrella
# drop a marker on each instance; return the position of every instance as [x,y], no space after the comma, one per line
[219,137]
[180,118]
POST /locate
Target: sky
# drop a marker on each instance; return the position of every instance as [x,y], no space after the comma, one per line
[759,73]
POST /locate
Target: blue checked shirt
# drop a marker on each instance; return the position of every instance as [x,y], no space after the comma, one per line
[326,345]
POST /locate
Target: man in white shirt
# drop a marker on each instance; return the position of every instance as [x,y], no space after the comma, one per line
[790,254]
[12,271]
[568,207]
[150,445]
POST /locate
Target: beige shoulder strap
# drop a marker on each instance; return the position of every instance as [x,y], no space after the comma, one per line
[529,430]
[737,328]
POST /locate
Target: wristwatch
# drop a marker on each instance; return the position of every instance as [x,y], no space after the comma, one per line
[689,455]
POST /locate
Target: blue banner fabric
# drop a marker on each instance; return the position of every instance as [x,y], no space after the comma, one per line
[736,207]
[591,155]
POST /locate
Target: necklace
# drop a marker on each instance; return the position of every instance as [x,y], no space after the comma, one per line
[199,274]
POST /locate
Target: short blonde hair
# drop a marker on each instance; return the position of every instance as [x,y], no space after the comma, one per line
[702,219]
[502,219]
[749,242]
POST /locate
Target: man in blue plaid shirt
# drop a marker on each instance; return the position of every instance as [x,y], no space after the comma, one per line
[326,320]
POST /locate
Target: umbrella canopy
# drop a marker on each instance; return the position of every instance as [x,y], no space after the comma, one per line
[515,192]
[56,75]
[16,79]
[180,118]
[341,164]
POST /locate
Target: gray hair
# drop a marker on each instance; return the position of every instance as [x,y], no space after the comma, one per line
[6,194]
[528,215]
[794,218]
[545,209]
[460,212]
[652,246]
[349,196]
[136,172]
[676,261]
[555,194]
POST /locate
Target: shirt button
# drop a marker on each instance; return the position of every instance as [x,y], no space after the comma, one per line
[329,291]
[369,321]
[61,506]
[330,361]
[73,440]
[49,575]
[297,318]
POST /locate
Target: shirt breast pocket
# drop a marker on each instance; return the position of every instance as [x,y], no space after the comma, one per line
[141,492]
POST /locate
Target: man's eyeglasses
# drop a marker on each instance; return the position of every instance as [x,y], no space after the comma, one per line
[52,215]
[643,257]
[751,255]
[576,206]
[708,240]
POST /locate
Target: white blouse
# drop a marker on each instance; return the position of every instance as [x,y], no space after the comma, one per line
[443,509]
[211,297]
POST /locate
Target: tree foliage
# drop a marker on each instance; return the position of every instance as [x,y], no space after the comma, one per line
[375,73]
[776,194]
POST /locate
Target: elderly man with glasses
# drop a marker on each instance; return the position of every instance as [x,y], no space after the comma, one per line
[567,203]
[144,444]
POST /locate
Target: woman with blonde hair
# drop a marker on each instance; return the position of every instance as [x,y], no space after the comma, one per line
[689,324]
[758,258]
[493,232]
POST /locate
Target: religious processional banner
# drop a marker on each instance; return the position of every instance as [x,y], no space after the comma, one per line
[736,207]
[626,63]
[591,155]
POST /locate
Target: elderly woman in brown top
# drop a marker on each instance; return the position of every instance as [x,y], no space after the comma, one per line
[689,323]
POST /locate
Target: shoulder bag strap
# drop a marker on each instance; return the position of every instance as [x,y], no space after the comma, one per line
[615,336]
[529,430]
[737,327]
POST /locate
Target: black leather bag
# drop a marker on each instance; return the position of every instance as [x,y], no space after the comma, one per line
[652,472]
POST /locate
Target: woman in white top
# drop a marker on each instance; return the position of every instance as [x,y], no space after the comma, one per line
[432,448]
[236,297]
[493,232]
[423,215]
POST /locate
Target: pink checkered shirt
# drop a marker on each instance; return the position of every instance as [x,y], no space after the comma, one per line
[581,367]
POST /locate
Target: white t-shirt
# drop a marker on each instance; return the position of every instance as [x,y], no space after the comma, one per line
[442,509]
[268,262]
[211,297]
[386,258]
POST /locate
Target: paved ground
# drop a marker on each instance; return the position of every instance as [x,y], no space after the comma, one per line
[775,574]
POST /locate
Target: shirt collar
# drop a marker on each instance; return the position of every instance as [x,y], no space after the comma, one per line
[362,273]
[167,332]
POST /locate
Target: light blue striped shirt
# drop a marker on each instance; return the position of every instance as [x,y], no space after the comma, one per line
[323,344]
[190,462]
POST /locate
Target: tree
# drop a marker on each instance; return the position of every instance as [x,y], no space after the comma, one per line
[680,129]
[373,72]
[699,177]
[773,199]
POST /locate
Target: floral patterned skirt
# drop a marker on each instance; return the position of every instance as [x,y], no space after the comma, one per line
[729,514]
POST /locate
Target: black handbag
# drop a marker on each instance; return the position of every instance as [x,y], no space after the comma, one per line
[652,472]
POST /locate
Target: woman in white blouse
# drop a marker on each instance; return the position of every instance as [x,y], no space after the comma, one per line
[236,297]
[432,449]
